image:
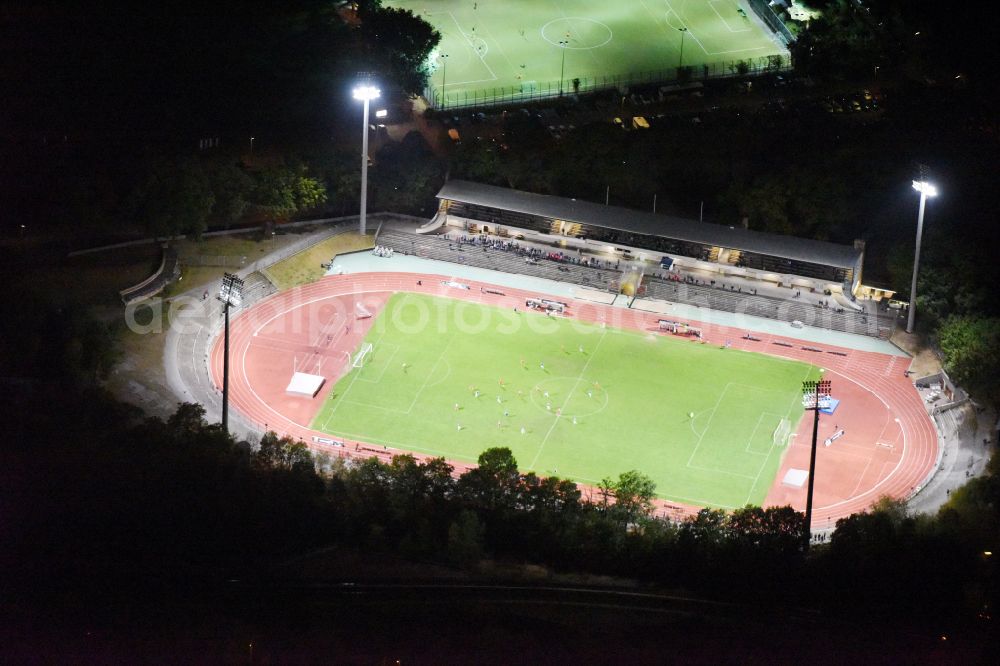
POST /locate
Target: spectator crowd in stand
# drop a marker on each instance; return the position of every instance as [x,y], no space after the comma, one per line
[487,243]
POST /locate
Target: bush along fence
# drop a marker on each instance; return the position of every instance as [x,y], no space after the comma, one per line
[535,91]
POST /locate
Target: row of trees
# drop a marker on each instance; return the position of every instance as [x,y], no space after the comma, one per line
[128,494]
[183,195]
[186,195]
[167,196]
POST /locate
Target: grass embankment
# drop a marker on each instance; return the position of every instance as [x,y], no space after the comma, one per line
[306,266]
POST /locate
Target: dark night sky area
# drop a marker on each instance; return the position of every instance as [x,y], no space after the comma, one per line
[163,67]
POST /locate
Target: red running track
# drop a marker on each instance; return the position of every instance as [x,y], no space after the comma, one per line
[889,446]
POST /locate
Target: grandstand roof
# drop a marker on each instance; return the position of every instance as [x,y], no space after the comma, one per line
[639,222]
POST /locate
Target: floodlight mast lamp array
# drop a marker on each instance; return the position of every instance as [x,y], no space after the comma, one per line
[231,295]
[365,93]
[812,390]
[926,190]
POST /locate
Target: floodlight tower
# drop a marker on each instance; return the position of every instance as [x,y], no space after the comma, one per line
[680,61]
[444,79]
[231,295]
[816,394]
[562,68]
[926,190]
[366,93]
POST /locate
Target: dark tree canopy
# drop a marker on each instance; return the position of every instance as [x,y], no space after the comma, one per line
[172,199]
[403,41]
[971,348]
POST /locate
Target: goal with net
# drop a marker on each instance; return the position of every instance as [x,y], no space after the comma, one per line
[781,433]
[367,350]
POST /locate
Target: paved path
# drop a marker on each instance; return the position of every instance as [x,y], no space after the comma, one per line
[962,432]
[198,322]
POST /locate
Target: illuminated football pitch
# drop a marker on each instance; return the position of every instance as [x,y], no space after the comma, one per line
[501,46]
[451,378]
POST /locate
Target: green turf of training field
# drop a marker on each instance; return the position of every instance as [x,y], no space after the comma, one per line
[630,393]
[515,44]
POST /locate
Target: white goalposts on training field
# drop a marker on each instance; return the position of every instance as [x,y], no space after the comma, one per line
[367,349]
[781,433]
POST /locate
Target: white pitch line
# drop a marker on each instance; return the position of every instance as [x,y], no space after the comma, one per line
[771,449]
[754,432]
[569,394]
[486,26]
[711,3]
[473,47]
[566,18]
[715,470]
[346,391]
[385,366]
[709,424]
[431,373]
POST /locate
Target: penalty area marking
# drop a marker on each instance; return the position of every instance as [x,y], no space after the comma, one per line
[712,3]
[346,391]
[473,46]
[754,433]
[467,60]
[708,426]
[427,383]
[395,348]
[409,410]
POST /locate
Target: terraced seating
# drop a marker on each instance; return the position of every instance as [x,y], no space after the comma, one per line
[440,248]
[848,321]
[255,287]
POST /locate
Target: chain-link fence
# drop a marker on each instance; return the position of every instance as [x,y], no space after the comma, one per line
[766,13]
[537,91]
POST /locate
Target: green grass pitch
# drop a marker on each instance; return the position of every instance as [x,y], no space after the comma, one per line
[621,403]
[515,44]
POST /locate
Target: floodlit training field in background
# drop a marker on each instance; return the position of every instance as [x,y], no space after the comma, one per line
[508,49]
[452,378]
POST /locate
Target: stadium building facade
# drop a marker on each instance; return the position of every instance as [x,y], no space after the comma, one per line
[636,235]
